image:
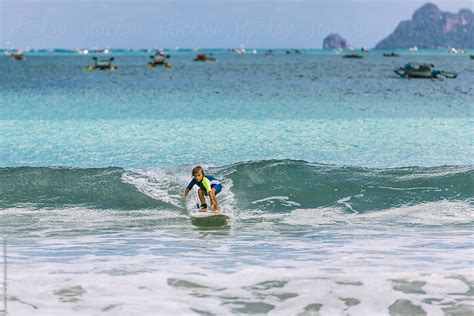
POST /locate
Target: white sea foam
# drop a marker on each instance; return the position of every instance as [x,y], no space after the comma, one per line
[156,183]
[318,216]
[431,213]
[345,201]
[81,288]
[79,261]
[283,200]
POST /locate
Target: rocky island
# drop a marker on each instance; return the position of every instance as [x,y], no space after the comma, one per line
[336,41]
[432,28]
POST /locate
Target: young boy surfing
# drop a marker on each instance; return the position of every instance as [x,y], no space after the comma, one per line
[207,186]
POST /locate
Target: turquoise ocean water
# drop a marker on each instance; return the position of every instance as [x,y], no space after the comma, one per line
[341,179]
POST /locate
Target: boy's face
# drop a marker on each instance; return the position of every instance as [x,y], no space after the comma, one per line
[198,176]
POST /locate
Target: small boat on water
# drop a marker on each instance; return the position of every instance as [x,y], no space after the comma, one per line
[392,54]
[353,56]
[453,50]
[159,59]
[241,50]
[204,57]
[293,51]
[100,51]
[102,64]
[423,71]
[16,55]
[472,56]
[82,51]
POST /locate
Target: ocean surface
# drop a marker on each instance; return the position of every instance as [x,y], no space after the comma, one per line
[350,190]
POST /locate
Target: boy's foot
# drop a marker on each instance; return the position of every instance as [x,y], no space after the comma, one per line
[203,210]
[216,210]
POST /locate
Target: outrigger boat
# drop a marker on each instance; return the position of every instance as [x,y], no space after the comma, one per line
[293,51]
[159,60]
[423,71]
[353,56]
[102,64]
[392,54]
[453,50]
[16,55]
[204,57]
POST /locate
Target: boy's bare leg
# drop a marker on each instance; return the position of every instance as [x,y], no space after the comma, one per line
[213,198]
[202,199]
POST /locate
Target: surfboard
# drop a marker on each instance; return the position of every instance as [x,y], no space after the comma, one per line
[208,218]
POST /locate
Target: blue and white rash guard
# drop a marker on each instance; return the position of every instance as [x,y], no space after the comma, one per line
[206,184]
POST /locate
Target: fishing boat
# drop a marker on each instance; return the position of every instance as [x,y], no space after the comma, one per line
[453,50]
[353,56]
[16,55]
[159,59]
[204,57]
[102,64]
[82,51]
[392,54]
[423,71]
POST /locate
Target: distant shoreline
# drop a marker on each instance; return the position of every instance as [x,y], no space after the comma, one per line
[223,49]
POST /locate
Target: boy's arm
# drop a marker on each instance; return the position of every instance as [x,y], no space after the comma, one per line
[186,192]
[189,187]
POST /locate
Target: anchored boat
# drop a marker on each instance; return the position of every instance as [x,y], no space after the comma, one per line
[204,57]
[160,59]
[16,55]
[353,56]
[423,71]
[102,64]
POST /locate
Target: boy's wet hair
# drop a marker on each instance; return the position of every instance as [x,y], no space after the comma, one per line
[197,169]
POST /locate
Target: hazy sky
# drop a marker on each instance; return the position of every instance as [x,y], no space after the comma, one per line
[201,24]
